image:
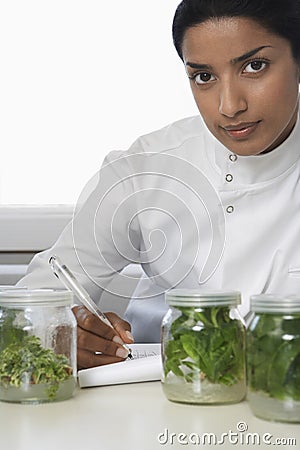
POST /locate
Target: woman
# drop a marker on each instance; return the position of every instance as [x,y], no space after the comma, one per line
[209,202]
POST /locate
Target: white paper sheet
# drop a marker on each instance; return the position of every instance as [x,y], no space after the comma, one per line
[146,365]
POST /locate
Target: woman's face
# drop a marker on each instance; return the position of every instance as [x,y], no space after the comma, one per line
[245,82]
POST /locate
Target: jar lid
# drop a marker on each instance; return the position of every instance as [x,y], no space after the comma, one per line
[196,297]
[36,297]
[270,303]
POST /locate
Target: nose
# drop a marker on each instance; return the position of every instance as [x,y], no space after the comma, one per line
[232,100]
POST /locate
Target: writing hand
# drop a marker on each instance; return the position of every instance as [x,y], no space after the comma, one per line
[95,336]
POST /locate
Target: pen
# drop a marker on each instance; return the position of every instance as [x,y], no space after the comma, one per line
[66,276]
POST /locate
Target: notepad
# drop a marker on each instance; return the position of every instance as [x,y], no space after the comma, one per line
[146,365]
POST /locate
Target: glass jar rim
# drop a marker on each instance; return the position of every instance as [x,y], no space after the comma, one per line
[35,297]
[273,303]
[197,297]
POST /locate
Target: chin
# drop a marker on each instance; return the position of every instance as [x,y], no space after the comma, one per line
[246,152]
[244,148]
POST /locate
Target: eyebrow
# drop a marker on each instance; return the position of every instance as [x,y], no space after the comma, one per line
[233,61]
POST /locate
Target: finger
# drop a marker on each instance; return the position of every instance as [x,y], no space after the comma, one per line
[122,327]
[86,359]
[93,343]
[88,321]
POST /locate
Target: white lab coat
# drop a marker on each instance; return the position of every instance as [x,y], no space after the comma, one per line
[192,214]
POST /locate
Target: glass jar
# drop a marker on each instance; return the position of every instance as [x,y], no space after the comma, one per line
[37,346]
[203,348]
[273,357]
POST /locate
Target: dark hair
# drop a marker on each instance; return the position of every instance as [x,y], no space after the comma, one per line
[281,17]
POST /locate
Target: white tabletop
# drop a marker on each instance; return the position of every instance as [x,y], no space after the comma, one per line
[132,417]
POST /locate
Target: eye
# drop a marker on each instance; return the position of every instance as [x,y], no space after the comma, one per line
[255,66]
[202,78]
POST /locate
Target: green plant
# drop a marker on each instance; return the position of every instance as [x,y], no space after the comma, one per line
[273,356]
[208,343]
[9,331]
[26,361]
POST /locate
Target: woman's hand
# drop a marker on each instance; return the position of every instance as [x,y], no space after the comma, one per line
[95,336]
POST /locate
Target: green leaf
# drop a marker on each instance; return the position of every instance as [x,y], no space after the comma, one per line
[206,341]
[292,381]
[9,331]
[26,361]
[273,356]
[279,369]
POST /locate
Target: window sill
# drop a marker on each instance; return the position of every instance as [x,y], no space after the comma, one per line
[31,228]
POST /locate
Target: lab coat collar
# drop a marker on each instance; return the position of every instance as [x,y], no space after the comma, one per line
[248,170]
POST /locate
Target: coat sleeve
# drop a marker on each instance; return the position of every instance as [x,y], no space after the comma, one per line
[101,239]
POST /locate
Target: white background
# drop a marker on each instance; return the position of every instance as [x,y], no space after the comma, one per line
[79,78]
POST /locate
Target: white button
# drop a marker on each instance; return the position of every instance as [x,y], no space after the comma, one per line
[233,157]
[229,177]
[230,209]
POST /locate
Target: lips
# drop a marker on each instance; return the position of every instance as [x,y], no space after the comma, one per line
[241,130]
